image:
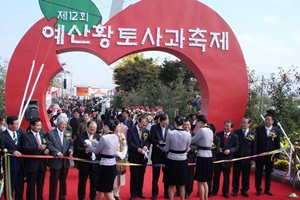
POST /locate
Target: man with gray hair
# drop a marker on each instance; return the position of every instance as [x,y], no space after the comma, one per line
[60,144]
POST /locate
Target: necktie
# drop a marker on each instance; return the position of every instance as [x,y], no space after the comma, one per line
[61,137]
[225,137]
[245,133]
[15,138]
[140,134]
[37,139]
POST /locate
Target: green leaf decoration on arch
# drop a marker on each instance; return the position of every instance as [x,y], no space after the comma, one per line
[71,12]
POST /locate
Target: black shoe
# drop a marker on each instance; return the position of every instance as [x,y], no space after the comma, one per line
[245,193]
[234,194]
[117,198]
[187,195]
[258,193]
[226,195]
[176,194]
[142,196]
[132,198]
[269,193]
[154,197]
[213,194]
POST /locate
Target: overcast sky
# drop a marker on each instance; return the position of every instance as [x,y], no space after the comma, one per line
[268,32]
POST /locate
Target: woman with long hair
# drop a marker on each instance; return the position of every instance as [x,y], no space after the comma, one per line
[121,158]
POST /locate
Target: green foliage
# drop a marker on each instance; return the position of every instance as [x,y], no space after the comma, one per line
[253,108]
[171,70]
[142,82]
[173,99]
[281,164]
[280,94]
[3,71]
[134,71]
[284,99]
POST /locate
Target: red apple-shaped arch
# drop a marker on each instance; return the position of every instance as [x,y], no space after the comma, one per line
[221,75]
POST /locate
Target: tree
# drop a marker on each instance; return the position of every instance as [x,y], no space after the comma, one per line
[3,72]
[283,93]
[253,105]
[173,99]
[171,70]
[135,70]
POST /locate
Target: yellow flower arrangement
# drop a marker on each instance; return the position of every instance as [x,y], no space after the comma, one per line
[44,141]
[250,137]
[145,136]
[68,136]
[213,146]
[272,135]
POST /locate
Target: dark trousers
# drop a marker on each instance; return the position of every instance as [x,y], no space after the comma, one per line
[136,179]
[17,184]
[190,184]
[155,177]
[209,183]
[238,168]
[226,172]
[260,163]
[55,176]
[83,175]
[35,179]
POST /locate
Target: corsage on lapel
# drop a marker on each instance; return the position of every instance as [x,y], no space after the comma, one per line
[272,135]
[250,137]
[168,131]
[145,136]
[213,146]
[44,141]
[68,136]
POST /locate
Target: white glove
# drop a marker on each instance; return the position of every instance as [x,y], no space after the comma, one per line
[94,143]
[93,156]
[88,142]
[145,154]
[120,155]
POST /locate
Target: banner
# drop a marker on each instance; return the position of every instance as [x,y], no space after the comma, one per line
[82,91]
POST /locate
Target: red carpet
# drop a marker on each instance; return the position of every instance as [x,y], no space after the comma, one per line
[278,189]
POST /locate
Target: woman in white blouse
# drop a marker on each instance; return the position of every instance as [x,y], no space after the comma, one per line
[177,145]
[107,148]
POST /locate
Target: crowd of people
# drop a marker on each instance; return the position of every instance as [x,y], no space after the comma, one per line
[109,141]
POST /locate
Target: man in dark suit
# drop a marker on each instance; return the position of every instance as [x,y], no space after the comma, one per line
[268,139]
[247,147]
[34,143]
[127,120]
[158,134]
[74,123]
[59,143]
[85,169]
[10,139]
[229,144]
[138,146]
